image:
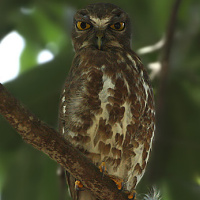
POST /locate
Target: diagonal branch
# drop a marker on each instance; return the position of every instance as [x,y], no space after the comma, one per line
[47,140]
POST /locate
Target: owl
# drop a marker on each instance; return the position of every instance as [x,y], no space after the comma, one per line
[107,104]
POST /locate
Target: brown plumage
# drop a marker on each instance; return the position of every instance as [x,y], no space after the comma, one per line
[107,105]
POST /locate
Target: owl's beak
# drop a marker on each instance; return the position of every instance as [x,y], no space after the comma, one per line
[99,36]
[99,43]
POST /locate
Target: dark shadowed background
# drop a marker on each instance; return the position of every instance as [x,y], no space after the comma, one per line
[174,167]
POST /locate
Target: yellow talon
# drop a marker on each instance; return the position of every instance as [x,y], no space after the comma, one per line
[78,185]
[118,181]
[132,195]
[102,167]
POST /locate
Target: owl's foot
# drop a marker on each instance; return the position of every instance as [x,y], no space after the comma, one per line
[78,185]
[131,195]
[102,168]
[118,181]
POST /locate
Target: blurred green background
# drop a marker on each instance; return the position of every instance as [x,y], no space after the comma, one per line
[174,167]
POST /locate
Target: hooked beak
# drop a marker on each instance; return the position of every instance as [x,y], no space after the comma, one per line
[99,43]
[100,37]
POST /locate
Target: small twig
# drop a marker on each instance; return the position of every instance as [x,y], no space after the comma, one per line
[47,140]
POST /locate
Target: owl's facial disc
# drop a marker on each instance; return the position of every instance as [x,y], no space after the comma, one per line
[102,26]
[103,29]
[100,33]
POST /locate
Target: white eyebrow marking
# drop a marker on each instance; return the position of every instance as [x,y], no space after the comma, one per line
[100,22]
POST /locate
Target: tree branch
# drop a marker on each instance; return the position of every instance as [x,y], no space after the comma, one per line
[47,140]
[159,146]
[165,57]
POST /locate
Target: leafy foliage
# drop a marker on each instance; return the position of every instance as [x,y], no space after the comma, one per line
[175,165]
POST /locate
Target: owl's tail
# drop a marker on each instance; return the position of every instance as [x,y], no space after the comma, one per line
[78,195]
[154,194]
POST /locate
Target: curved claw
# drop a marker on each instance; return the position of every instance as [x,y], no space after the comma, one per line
[102,167]
[118,181]
[132,195]
[78,185]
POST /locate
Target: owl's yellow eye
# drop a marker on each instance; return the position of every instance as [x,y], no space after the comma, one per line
[119,26]
[83,26]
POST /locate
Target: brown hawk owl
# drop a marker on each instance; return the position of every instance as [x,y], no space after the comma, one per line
[107,105]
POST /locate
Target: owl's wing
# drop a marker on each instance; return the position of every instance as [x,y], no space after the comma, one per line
[75,194]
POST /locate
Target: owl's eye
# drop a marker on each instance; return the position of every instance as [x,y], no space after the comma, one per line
[83,26]
[119,26]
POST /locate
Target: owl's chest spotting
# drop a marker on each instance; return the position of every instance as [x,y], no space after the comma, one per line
[108,114]
[109,100]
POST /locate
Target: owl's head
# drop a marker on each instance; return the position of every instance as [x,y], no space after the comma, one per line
[101,26]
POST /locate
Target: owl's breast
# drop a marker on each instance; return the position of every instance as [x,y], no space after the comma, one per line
[109,115]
